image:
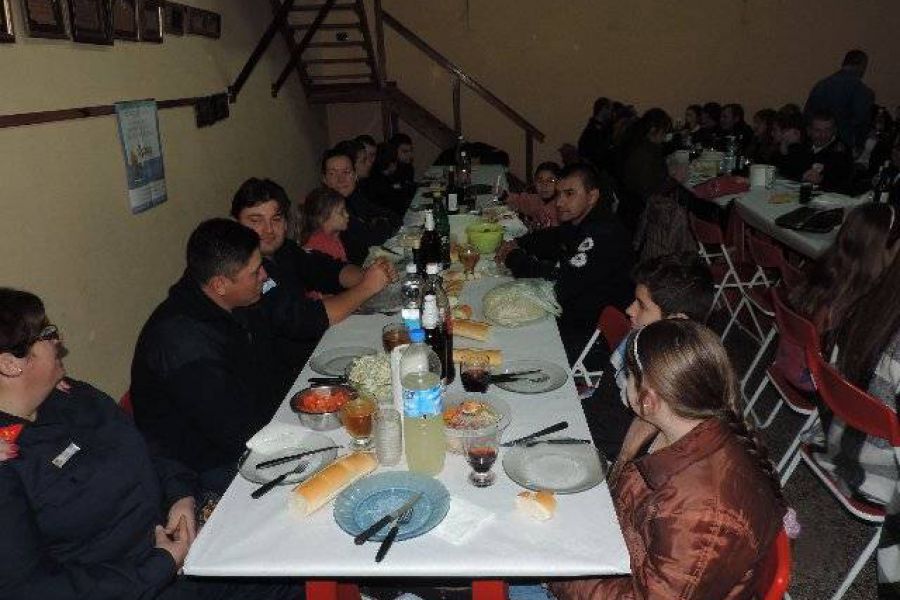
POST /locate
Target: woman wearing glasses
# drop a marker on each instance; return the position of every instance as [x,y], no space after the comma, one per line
[85,510]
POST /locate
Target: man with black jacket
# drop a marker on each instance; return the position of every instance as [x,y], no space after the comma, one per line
[588,256]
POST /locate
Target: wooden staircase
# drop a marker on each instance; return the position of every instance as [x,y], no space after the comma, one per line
[332,53]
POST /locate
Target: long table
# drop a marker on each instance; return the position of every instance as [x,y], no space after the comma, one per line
[262,538]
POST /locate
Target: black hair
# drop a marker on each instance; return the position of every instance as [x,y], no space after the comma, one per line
[737,111]
[398,139]
[22,316]
[714,110]
[586,172]
[696,108]
[549,166]
[385,156]
[335,152]
[351,148]
[822,115]
[600,104]
[677,283]
[789,120]
[366,140]
[256,191]
[855,58]
[219,247]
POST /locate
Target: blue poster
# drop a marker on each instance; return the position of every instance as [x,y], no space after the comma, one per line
[138,125]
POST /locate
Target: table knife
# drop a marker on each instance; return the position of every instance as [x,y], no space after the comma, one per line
[286,459]
[504,377]
[552,429]
[563,441]
[380,523]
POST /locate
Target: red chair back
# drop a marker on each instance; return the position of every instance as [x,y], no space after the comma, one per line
[793,328]
[125,403]
[706,232]
[765,254]
[858,409]
[774,572]
[614,325]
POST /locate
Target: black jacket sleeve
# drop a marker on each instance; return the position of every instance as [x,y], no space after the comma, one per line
[537,254]
[320,272]
[26,571]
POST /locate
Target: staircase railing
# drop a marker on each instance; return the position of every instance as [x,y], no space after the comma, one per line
[459,76]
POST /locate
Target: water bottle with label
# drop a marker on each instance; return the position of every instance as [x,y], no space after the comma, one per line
[411,291]
[423,423]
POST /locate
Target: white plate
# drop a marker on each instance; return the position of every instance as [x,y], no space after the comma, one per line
[551,377]
[310,441]
[564,469]
[333,362]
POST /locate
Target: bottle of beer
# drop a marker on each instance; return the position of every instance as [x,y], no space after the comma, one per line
[434,287]
[430,245]
[881,192]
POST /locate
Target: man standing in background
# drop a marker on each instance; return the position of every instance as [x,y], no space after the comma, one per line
[844,95]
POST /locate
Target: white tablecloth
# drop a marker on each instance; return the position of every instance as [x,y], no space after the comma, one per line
[756,210]
[246,537]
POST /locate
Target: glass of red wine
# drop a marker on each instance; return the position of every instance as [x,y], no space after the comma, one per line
[475,375]
[481,448]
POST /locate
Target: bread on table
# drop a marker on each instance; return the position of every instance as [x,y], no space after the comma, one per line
[463,311]
[321,488]
[538,505]
[493,357]
[475,330]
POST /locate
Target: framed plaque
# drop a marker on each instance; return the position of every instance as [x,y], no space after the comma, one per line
[90,21]
[174,18]
[151,21]
[125,20]
[204,22]
[44,18]
[6,25]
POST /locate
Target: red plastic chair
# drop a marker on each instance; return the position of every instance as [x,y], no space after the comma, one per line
[796,335]
[774,573]
[864,413]
[614,325]
[125,403]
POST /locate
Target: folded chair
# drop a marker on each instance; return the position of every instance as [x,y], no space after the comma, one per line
[614,325]
[864,413]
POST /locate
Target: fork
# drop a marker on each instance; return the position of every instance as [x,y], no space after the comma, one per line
[386,544]
[264,488]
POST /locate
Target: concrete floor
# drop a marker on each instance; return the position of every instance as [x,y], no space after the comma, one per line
[831,538]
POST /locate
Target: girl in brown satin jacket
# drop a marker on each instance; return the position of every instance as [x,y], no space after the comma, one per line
[700,509]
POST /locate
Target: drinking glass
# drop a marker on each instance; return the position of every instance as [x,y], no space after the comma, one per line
[393,335]
[481,448]
[475,375]
[469,257]
[357,416]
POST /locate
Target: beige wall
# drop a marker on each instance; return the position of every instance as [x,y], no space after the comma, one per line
[549,60]
[66,231]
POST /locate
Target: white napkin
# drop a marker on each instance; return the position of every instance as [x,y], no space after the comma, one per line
[276,436]
[463,520]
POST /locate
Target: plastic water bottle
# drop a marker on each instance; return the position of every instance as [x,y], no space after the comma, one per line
[423,423]
[411,291]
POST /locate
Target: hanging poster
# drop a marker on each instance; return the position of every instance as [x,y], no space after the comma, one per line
[139,134]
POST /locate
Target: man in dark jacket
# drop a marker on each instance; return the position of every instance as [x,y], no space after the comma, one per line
[370,224]
[844,95]
[588,255]
[829,162]
[595,142]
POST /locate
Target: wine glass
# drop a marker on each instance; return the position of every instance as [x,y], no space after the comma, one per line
[357,416]
[469,257]
[481,449]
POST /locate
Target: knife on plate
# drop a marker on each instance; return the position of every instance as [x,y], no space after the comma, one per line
[553,441]
[383,521]
[552,429]
[286,459]
[505,377]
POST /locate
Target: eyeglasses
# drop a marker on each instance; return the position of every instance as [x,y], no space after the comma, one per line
[48,332]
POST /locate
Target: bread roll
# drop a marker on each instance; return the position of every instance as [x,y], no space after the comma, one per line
[537,505]
[475,330]
[493,357]
[463,311]
[318,490]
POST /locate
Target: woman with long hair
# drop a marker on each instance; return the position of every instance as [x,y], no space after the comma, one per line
[701,508]
[865,245]
[867,344]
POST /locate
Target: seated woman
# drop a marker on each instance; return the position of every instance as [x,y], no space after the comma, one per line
[85,510]
[867,344]
[700,509]
[539,208]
